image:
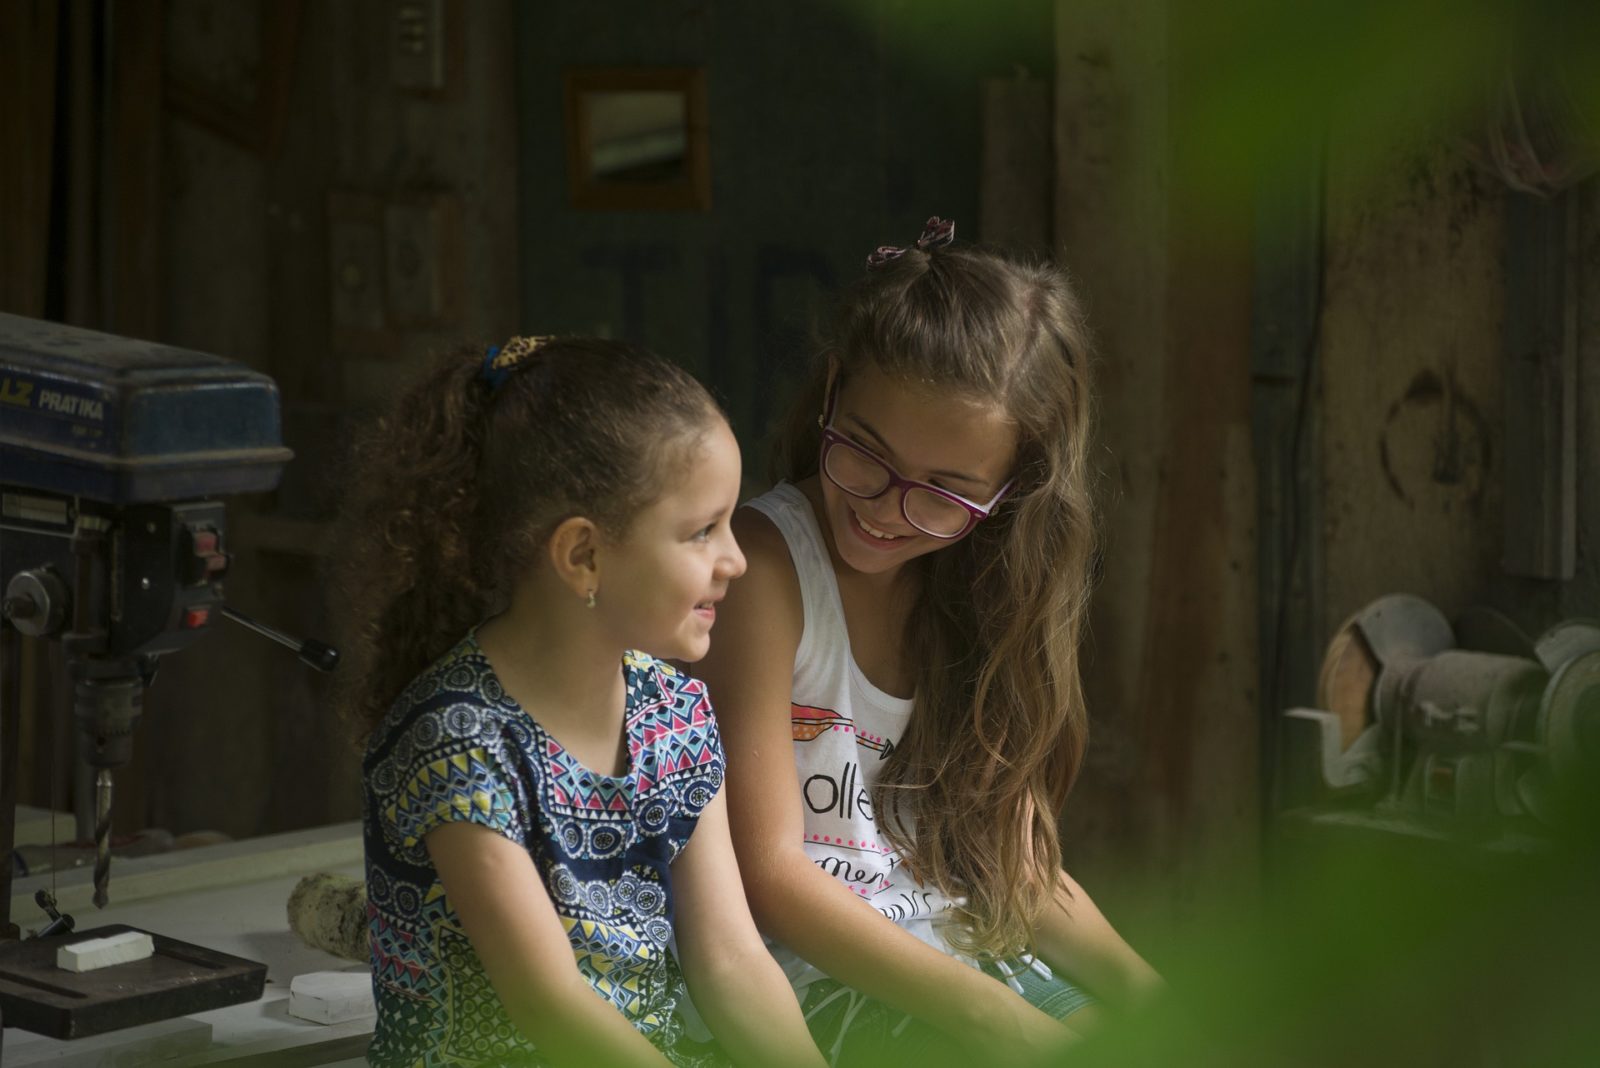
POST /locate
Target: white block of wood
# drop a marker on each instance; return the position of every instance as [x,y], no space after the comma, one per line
[94,953]
[331,997]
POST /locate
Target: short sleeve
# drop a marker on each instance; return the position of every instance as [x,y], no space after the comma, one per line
[718,763]
[698,745]
[451,780]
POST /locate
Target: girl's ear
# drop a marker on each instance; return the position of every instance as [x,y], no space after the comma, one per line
[572,553]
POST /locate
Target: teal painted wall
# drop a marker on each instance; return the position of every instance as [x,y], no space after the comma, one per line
[834,128]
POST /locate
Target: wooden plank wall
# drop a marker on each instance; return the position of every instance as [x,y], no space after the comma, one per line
[82,240]
[1410,379]
[1017,173]
[28,40]
[29,35]
[1414,455]
[1168,799]
[1408,442]
[244,736]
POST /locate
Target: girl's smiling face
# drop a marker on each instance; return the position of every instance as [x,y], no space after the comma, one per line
[956,443]
[660,584]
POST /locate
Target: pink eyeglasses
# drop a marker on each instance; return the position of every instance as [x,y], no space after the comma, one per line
[862,473]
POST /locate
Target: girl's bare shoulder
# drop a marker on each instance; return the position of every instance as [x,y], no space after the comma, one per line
[770,579]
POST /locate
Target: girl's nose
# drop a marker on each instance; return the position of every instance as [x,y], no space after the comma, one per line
[887,511]
[731,564]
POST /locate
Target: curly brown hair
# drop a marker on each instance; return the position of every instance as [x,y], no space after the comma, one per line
[999,723]
[455,489]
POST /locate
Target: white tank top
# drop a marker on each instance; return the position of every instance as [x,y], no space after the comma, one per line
[844,727]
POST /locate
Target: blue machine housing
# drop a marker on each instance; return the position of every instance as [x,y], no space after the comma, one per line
[111,419]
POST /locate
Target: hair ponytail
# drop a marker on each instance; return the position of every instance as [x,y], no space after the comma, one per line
[408,580]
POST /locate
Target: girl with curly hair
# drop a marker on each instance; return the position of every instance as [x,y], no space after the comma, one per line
[529,529]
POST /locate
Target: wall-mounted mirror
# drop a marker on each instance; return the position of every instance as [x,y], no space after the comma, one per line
[637,138]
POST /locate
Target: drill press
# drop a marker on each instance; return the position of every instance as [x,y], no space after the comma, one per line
[111,542]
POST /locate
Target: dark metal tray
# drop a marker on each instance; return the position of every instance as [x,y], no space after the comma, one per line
[178,980]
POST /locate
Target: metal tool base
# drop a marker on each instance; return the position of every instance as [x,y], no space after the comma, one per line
[178,980]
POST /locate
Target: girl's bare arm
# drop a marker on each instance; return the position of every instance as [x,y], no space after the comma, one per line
[507,915]
[737,986]
[1075,937]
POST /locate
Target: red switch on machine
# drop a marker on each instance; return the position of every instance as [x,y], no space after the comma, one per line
[207,560]
[196,617]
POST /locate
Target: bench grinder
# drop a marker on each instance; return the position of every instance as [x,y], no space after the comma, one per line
[1472,733]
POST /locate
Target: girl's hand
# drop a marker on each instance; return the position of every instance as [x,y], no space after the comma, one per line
[1011,1031]
[1145,987]
[1076,939]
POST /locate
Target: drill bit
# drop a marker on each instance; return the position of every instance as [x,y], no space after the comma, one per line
[102,836]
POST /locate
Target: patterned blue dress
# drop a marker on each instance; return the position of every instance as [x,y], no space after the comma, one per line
[455,746]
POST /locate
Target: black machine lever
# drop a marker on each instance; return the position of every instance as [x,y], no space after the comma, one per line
[60,923]
[313,653]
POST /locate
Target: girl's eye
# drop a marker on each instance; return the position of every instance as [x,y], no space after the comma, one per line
[704,532]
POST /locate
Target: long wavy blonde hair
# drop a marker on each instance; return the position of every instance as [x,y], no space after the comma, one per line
[972,792]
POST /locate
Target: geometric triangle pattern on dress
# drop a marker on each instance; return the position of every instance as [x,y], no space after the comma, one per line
[455,747]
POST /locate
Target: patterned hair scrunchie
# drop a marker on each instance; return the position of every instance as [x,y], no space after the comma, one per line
[937,233]
[501,360]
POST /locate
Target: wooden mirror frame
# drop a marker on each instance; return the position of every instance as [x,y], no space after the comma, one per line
[692,193]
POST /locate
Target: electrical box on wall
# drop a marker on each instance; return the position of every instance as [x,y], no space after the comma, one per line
[417,51]
[394,262]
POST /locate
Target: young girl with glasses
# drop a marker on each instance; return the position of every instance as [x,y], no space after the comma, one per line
[898,673]
[527,531]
